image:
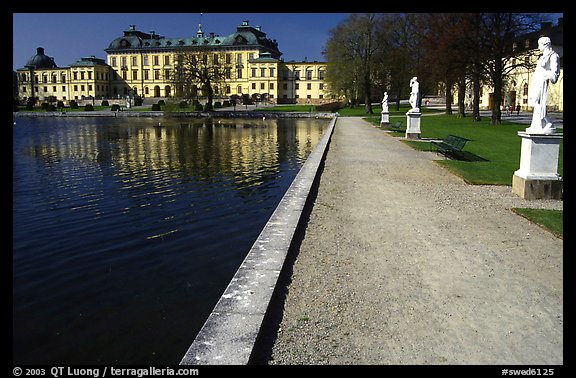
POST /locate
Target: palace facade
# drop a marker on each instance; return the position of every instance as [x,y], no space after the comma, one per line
[146,64]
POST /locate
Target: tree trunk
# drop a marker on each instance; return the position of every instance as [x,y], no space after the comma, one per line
[476,101]
[449,97]
[496,119]
[461,98]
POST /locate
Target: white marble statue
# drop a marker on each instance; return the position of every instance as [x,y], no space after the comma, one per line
[547,71]
[385,103]
[414,94]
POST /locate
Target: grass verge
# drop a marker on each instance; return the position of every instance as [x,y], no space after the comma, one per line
[551,220]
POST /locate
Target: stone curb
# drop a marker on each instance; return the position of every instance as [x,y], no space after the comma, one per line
[229,334]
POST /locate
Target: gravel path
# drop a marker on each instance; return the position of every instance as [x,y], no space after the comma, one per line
[404,263]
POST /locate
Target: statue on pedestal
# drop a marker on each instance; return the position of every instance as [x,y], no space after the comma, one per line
[547,70]
[415,88]
[385,103]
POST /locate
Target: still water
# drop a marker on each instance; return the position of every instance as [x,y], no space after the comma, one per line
[125,234]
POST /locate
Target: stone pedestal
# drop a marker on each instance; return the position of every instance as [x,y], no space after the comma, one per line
[538,176]
[385,120]
[413,125]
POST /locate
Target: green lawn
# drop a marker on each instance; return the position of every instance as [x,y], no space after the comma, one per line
[551,220]
[490,157]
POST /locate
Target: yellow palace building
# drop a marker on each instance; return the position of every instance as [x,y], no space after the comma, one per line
[144,64]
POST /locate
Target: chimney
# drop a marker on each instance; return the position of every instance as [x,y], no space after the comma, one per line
[40,51]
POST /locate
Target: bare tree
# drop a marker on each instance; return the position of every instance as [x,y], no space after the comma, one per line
[351,50]
[200,71]
[498,36]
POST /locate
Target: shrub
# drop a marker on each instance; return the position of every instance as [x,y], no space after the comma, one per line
[330,107]
[208,108]
[198,107]
[138,101]
[51,108]
[183,104]
[161,102]
[156,107]
[115,107]
[105,103]
[44,106]
[73,104]
[60,104]
[217,105]
[88,108]
[226,104]
[29,106]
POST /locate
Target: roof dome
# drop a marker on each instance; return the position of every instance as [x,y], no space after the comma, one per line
[40,60]
[126,42]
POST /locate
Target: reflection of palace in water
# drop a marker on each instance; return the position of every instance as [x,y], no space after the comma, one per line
[249,151]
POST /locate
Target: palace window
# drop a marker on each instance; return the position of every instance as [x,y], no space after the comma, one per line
[134,60]
[239,73]
[253,72]
[82,75]
[254,86]
[309,86]
[308,74]
[135,75]
[113,61]
[166,60]
[156,74]
[262,72]
[167,74]
[155,60]
[262,86]
[146,60]
[321,74]
[271,72]
[228,58]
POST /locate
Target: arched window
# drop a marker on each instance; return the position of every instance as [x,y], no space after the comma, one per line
[525,89]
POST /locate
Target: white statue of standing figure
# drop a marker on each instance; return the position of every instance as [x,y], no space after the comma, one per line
[385,103]
[414,94]
[547,70]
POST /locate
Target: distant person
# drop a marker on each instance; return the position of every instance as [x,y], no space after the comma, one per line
[518,109]
[547,71]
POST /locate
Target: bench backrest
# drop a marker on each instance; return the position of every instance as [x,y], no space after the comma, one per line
[455,141]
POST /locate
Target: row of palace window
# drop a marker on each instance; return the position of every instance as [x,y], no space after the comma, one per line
[82,88]
[227,73]
[99,76]
[156,59]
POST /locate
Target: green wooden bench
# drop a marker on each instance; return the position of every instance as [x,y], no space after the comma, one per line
[450,145]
